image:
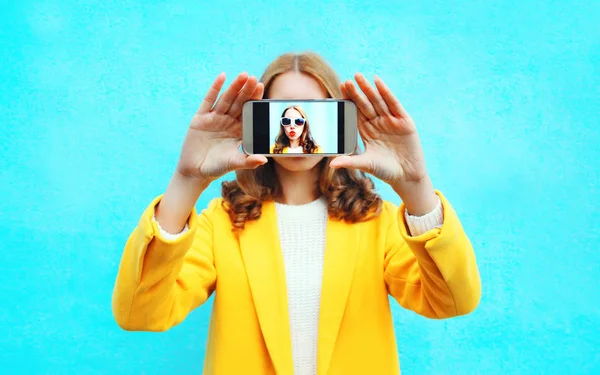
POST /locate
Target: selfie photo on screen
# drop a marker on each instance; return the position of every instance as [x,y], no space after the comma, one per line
[306,128]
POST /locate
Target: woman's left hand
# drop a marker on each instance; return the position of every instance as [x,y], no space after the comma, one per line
[393,151]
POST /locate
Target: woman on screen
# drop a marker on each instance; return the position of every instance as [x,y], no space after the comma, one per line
[294,134]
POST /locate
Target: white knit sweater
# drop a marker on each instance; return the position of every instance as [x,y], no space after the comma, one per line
[302,236]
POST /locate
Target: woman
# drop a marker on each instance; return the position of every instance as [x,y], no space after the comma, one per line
[302,252]
[294,134]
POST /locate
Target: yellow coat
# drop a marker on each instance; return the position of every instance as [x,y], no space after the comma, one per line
[160,281]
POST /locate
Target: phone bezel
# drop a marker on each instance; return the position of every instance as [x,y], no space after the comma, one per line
[350,126]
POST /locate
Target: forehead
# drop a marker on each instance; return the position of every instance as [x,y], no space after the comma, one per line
[292,112]
[294,85]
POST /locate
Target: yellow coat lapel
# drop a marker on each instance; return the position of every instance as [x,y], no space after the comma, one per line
[261,252]
[340,257]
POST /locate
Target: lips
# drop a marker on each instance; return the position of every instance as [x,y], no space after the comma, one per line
[292,133]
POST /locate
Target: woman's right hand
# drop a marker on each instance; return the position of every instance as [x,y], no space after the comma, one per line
[211,146]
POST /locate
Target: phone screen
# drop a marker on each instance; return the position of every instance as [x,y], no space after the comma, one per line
[288,127]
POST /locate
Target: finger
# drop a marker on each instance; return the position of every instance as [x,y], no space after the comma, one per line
[359,161]
[236,108]
[372,94]
[258,91]
[257,95]
[365,130]
[365,111]
[243,161]
[231,93]
[362,103]
[344,91]
[212,94]
[361,118]
[392,103]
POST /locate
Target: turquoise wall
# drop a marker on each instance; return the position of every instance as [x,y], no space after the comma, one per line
[95,100]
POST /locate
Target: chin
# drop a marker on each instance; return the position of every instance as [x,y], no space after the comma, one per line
[298,163]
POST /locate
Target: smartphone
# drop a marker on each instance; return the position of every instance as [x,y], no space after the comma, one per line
[324,127]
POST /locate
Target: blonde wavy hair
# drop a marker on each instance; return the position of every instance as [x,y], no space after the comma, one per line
[350,193]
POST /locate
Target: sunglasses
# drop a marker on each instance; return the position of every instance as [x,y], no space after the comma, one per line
[286,121]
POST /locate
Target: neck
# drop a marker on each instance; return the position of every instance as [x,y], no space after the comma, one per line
[298,187]
[294,143]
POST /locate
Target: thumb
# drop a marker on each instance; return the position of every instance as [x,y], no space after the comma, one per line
[360,162]
[243,161]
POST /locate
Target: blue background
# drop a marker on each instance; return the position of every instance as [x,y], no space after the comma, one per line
[95,100]
[322,120]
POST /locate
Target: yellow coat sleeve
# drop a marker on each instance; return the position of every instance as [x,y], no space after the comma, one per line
[434,274]
[160,280]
